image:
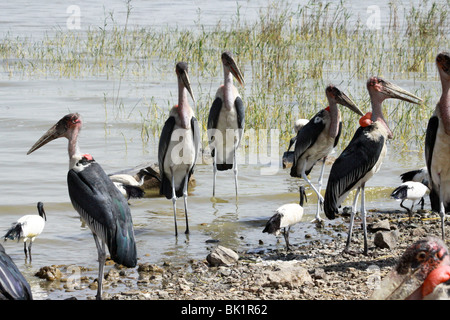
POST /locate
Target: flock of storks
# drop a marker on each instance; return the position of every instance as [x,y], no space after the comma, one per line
[106,211]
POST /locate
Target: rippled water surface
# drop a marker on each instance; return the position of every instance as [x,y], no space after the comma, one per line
[29,106]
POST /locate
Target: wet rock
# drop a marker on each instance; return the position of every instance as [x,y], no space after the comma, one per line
[149,268]
[222,256]
[50,273]
[386,239]
[382,225]
[288,274]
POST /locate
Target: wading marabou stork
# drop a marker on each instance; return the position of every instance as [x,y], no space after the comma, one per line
[318,137]
[27,228]
[177,158]
[13,285]
[422,273]
[437,144]
[363,156]
[410,190]
[226,121]
[93,195]
[285,217]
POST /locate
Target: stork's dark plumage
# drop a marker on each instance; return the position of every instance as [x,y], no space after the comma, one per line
[422,273]
[363,156]
[226,121]
[13,285]
[27,228]
[437,144]
[177,158]
[316,139]
[99,203]
[285,217]
[410,190]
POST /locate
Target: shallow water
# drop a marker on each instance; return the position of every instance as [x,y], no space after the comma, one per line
[28,107]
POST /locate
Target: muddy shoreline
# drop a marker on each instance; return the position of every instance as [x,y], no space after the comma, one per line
[318,270]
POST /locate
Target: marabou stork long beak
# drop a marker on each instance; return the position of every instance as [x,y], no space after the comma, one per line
[393,91]
[343,99]
[228,60]
[421,268]
[60,129]
[181,70]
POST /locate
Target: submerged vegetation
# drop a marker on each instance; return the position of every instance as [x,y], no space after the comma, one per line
[288,56]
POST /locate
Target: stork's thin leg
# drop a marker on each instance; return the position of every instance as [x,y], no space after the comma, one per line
[185,194]
[174,204]
[442,211]
[25,249]
[101,264]
[407,209]
[214,172]
[363,216]
[319,196]
[29,249]
[352,217]
[319,204]
[286,237]
[235,169]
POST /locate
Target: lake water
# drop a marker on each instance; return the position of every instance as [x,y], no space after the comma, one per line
[29,106]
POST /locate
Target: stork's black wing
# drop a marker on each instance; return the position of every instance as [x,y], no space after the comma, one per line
[214,112]
[430,139]
[105,210]
[13,285]
[306,137]
[164,140]
[358,158]
[240,110]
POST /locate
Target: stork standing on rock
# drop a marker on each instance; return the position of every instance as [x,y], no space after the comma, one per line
[95,197]
[363,156]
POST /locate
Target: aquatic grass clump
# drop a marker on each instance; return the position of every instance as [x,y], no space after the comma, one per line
[288,56]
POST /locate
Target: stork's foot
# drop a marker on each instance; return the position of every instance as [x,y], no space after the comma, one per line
[320,223]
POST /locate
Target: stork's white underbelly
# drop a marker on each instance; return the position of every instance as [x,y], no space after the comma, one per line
[227,135]
[440,164]
[180,156]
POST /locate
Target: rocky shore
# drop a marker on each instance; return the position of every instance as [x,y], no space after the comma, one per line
[318,270]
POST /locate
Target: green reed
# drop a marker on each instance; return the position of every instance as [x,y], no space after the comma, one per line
[288,56]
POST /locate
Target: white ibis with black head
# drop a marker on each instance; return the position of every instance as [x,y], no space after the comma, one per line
[412,191]
[94,196]
[437,144]
[226,121]
[130,186]
[27,228]
[417,175]
[13,285]
[285,217]
[422,273]
[363,156]
[177,159]
[318,137]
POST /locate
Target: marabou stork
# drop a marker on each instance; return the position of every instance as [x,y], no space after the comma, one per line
[363,156]
[13,285]
[437,144]
[226,121]
[422,273]
[27,228]
[285,217]
[94,196]
[177,158]
[410,190]
[318,137]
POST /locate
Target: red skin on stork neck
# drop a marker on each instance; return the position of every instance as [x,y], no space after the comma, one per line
[335,118]
[183,109]
[376,99]
[444,101]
